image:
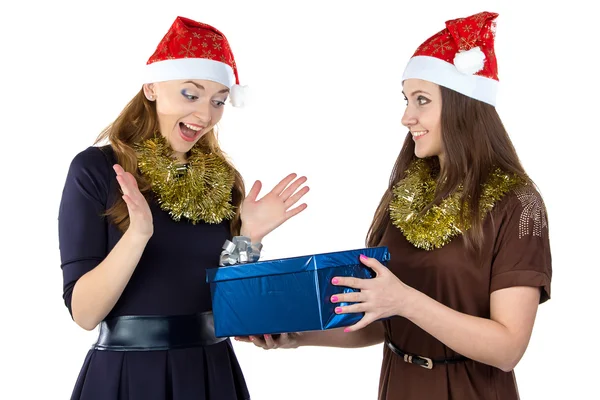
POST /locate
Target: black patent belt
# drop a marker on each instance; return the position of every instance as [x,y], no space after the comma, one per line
[150,333]
[421,361]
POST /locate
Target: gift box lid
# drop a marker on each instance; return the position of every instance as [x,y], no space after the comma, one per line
[294,264]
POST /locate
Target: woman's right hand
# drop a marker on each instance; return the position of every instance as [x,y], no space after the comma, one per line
[140,216]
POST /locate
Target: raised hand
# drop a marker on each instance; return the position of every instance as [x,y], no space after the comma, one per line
[260,217]
[140,216]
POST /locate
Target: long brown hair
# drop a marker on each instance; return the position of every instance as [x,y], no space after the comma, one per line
[137,122]
[474,142]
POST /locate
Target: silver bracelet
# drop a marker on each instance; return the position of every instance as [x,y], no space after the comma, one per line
[240,250]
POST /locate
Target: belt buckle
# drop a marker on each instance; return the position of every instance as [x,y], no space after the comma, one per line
[424,362]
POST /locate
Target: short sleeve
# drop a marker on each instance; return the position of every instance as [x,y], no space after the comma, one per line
[82,227]
[522,250]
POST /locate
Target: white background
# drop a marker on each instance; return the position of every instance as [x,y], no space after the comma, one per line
[327,104]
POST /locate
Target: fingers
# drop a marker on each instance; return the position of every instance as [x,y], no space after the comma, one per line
[253,194]
[132,181]
[366,320]
[353,297]
[290,201]
[121,179]
[124,174]
[295,211]
[352,309]
[266,341]
[128,194]
[270,342]
[354,283]
[118,169]
[128,184]
[292,188]
[258,341]
[278,189]
[130,203]
[283,339]
[373,264]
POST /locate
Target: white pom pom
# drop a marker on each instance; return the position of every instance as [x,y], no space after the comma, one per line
[470,61]
[238,95]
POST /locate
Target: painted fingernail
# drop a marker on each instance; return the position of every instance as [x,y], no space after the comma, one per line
[338,310]
[252,338]
[334,298]
[334,281]
[363,257]
[268,336]
[346,330]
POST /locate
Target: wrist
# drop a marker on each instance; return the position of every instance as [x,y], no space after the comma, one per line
[408,303]
[136,237]
[254,238]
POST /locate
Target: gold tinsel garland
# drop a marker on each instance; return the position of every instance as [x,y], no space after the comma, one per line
[441,223]
[199,190]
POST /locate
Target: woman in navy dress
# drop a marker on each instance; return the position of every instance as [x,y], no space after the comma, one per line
[141,219]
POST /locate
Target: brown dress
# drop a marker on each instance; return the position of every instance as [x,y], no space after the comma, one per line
[516,253]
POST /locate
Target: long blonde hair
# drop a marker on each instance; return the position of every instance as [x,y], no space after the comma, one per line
[138,122]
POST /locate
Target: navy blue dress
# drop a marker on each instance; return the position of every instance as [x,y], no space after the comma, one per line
[170,279]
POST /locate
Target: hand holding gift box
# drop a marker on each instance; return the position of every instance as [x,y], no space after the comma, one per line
[378,298]
[286,295]
[373,300]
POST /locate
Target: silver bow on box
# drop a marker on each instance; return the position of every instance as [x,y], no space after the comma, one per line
[239,251]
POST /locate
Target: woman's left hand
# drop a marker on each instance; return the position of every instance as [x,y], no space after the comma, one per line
[379,297]
[269,342]
[260,217]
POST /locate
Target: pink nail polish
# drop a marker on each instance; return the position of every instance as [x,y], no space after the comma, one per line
[334,298]
[334,281]
[346,330]
[338,310]
[363,257]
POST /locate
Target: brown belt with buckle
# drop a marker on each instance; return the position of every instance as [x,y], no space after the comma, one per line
[421,361]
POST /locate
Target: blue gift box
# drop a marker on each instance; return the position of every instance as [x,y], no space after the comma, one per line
[286,295]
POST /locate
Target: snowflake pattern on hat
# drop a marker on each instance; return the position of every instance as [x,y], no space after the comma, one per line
[195,50]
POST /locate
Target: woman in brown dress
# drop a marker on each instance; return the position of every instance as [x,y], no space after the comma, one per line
[467,233]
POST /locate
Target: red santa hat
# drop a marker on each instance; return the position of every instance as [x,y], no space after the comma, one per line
[193,50]
[460,57]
